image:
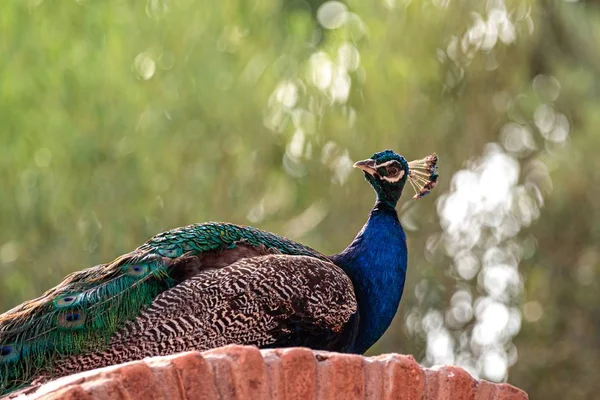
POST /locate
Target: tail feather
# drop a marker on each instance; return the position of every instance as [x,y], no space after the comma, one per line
[80,314]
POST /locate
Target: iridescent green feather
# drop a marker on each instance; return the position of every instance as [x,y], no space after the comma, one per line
[215,236]
[86,309]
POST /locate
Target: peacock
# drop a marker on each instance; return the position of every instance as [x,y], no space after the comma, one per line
[206,285]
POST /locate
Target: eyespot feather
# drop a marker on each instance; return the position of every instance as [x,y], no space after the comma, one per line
[67,300]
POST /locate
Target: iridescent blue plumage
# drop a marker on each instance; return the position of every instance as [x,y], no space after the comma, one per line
[376,260]
[206,285]
[376,263]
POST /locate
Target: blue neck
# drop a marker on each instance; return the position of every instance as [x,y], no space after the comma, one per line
[376,261]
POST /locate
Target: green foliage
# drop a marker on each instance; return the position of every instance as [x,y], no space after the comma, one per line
[123,119]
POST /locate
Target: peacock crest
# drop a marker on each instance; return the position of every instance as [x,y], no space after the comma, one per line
[423,175]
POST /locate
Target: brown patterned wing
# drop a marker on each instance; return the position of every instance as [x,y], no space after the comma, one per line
[266,301]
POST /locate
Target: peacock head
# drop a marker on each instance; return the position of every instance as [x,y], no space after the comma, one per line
[388,172]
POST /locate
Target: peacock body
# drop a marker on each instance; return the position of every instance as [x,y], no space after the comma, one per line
[212,284]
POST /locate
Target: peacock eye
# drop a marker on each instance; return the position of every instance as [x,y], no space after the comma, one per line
[72,319]
[136,270]
[5,350]
[9,353]
[67,300]
[393,171]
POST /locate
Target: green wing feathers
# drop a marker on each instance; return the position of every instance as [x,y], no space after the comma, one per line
[218,236]
[83,312]
[78,315]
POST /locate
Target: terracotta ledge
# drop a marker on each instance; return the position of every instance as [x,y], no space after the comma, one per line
[244,372]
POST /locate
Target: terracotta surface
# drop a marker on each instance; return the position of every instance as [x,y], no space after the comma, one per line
[242,372]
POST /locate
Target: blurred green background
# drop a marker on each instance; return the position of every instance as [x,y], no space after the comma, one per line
[121,119]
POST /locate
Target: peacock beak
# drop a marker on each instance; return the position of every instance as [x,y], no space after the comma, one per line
[367,165]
